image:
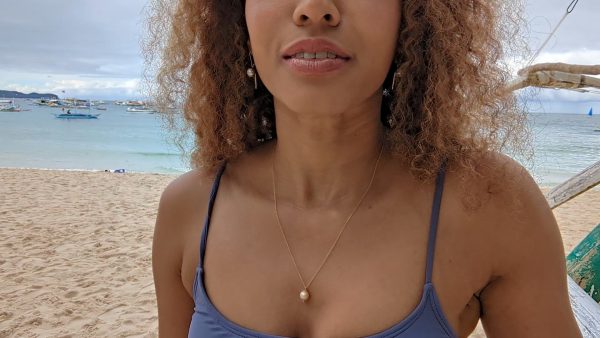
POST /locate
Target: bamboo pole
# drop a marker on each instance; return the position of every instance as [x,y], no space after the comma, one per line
[554,79]
[561,67]
[575,186]
[557,76]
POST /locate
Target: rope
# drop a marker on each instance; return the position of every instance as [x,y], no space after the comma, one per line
[569,10]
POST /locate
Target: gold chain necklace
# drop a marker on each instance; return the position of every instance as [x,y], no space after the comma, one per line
[304,294]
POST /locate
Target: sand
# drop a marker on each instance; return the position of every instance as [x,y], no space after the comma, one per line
[75,251]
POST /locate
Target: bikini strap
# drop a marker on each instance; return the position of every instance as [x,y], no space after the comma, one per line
[211,203]
[435,215]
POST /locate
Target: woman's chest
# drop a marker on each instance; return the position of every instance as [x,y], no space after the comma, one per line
[372,279]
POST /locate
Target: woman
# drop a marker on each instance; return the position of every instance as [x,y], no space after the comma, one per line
[339,145]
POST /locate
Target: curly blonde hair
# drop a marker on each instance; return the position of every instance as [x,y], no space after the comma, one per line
[448,104]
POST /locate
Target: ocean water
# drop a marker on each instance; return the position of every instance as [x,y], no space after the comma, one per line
[563,144]
[135,142]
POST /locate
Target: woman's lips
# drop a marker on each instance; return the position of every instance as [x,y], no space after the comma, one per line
[315,66]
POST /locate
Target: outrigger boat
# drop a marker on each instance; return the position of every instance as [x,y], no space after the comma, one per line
[135,103]
[47,102]
[10,109]
[76,116]
[9,106]
[141,110]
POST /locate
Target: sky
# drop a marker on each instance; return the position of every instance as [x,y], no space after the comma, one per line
[91,49]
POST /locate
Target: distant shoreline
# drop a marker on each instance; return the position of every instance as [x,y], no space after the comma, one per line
[110,171]
[11,94]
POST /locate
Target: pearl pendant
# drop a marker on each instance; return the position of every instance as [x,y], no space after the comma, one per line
[250,72]
[304,295]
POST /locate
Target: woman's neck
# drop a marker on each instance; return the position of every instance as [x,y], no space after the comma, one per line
[320,160]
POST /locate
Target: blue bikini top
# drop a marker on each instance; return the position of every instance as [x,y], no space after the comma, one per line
[427,320]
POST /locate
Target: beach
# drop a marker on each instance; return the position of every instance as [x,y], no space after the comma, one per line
[75,251]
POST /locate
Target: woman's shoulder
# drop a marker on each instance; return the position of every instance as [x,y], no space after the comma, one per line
[183,201]
[509,207]
[521,242]
[188,186]
[496,182]
[500,199]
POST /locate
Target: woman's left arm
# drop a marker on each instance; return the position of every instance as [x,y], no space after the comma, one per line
[528,295]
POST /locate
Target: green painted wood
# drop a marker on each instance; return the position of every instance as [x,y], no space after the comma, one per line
[583,264]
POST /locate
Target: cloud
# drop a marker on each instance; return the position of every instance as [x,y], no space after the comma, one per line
[582,56]
[577,32]
[575,42]
[567,96]
[81,87]
[90,45]
[552,101]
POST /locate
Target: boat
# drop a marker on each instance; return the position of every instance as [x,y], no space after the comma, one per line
[9,106]
[74,103]
[135,103]
[76,116]
[47,102]
[141,110]
[100,108]
[583,261]
[11,109]
[591,113]
[4,101]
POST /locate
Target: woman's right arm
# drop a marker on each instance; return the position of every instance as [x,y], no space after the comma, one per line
[175,306]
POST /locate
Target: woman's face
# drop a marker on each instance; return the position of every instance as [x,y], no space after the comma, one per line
[364,30]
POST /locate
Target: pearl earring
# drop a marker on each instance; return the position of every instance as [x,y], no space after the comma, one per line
[394,81]
[388,92]
[251,72]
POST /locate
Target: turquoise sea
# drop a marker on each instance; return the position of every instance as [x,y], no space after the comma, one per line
[564,144]
[136,142]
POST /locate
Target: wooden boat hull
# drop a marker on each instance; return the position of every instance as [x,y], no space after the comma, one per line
[583,264]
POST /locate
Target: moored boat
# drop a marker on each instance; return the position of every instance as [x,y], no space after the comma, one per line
[11,109]
[9,106]
[135,103]
[76,116]
[141,110]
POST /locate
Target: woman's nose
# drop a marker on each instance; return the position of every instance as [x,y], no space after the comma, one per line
[317,12]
